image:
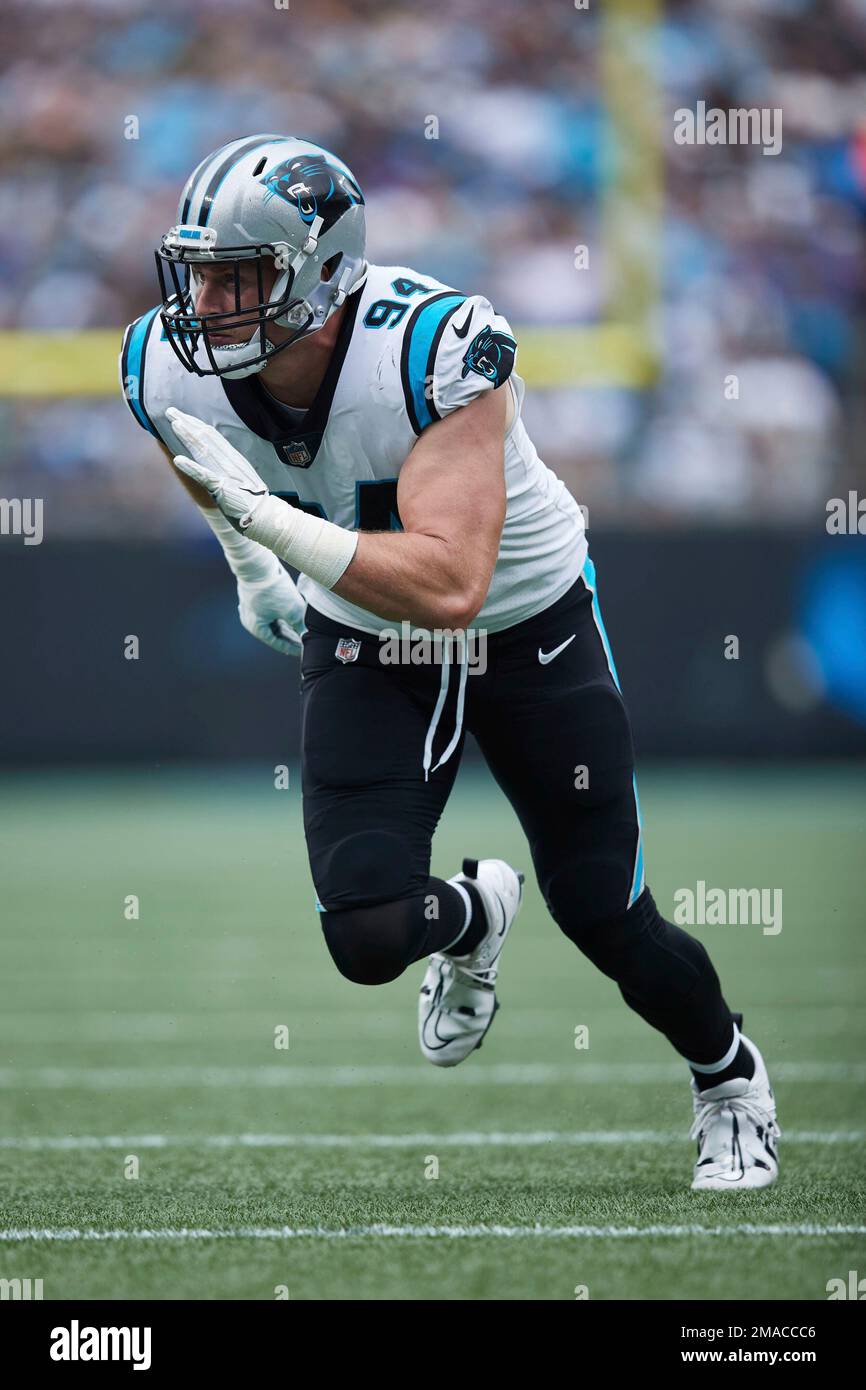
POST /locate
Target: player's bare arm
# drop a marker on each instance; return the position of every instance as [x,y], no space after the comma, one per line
[451,495]
[199,494]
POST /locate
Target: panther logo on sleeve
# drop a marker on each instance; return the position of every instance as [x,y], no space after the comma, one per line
[317,188]
[491,355]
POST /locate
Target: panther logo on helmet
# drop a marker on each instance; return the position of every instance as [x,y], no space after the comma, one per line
[315,187]
[490,354]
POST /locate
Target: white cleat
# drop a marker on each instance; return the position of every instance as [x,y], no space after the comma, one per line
[735,1126]
[457,1003]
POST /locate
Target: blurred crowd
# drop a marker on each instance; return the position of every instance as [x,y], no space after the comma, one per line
[753,413]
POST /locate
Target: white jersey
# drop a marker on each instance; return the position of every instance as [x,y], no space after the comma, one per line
[409,351]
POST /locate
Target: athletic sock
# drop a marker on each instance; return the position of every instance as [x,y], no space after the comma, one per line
[476,930]
[742,1064]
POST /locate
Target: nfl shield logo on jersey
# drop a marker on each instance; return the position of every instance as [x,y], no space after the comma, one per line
[295,452]
[348,649]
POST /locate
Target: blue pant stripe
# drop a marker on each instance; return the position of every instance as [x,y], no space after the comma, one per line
[638,878]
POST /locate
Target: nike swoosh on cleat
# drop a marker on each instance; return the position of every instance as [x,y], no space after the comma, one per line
[545,657]
[461,332]
[437,995]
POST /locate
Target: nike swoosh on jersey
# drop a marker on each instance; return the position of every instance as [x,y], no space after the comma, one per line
[545,657]
[461,332]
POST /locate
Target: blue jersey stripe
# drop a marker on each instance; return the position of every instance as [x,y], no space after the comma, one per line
[133,366]
[418,359]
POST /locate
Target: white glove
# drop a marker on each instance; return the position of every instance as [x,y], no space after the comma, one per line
[273,611]
[311,544]
[218,467]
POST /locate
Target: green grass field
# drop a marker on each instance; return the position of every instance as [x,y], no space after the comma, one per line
[260,1168]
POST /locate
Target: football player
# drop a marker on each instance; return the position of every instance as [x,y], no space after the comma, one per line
[362,424]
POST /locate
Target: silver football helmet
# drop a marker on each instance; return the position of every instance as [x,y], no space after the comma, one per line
[265,198]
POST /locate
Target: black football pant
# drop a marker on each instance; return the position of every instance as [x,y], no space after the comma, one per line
[381,743]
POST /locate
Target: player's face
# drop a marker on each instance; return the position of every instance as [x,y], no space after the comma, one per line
[216,289]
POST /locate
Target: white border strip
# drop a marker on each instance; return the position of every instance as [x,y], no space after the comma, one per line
[427,1232]
[319,1075]
[469,1139]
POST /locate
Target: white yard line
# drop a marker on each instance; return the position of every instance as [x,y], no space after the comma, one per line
[53,1025]
[426,1232]
[458,1139]
[319,1075]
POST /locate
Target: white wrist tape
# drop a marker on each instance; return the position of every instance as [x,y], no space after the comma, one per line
[248,562]
[316,547]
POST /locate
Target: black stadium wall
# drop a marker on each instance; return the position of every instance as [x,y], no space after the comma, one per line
[792,683]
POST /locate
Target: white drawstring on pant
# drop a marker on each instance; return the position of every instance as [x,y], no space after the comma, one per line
[440,703]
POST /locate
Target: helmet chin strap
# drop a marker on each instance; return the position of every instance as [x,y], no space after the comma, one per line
[342,286]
